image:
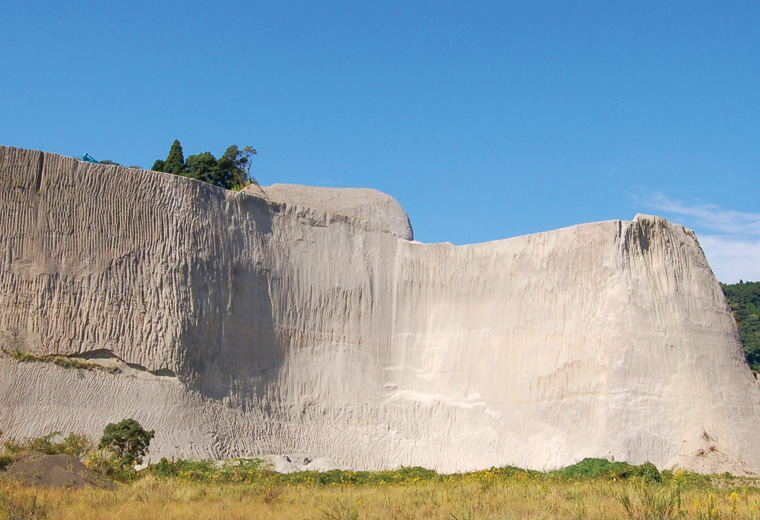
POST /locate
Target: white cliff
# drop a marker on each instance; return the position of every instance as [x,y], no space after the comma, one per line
[248,326]
[361,203]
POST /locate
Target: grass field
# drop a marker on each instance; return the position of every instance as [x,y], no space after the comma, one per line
[187,490]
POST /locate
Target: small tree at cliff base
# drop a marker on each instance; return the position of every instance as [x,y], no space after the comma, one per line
[127,440]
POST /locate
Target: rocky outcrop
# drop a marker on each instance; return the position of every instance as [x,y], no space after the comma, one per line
[244,325]
[361,203]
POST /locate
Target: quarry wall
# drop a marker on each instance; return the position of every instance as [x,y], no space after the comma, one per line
[243,326]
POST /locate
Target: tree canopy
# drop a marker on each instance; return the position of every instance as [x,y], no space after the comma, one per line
[231,171]
[127,440]
[744,300]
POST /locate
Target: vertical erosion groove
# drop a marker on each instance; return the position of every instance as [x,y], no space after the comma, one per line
[38,178]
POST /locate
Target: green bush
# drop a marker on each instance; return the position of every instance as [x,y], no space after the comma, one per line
[72,444]
[237,470]
[195,471]
[5,461]
[127,440]
[107,464]
[603,468]
[243,470]
[596,468]
[648,472]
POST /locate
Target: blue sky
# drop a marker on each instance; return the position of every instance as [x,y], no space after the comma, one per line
[485,120]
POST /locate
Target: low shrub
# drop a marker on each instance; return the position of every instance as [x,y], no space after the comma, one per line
[602,468]
[187,470]
[648,472]
[243,470]
[72,444]
[5,461]
[110,466]
[596,468]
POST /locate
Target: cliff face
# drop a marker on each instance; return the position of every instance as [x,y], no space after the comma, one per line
[245,326]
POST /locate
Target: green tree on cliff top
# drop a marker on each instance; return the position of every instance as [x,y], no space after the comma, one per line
[175,161]
[231,171]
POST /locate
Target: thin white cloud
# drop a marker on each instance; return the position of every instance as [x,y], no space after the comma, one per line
[731,258]
[711,216]
[730,239]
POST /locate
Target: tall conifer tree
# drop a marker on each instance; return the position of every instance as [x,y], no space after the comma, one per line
[175,162]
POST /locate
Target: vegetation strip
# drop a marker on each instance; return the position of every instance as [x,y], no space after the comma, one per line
[247,488]
[62,361]
[744,300]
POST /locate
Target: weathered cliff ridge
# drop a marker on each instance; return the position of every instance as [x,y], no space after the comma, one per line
[244,326]
[361,203]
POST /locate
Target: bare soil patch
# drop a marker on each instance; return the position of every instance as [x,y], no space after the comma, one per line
[54,471]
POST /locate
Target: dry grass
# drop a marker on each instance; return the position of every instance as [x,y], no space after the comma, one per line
[512,498]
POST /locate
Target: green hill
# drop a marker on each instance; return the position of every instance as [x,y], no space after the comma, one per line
[744,300]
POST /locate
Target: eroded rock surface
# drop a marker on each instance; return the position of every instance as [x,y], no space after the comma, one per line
[252,326]
[361,203]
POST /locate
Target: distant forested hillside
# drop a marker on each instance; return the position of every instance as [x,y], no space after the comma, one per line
[744,299]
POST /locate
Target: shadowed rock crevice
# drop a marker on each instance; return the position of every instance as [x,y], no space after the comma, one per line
[40,169]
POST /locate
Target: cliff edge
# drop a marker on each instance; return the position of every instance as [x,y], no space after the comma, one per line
[361,203]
